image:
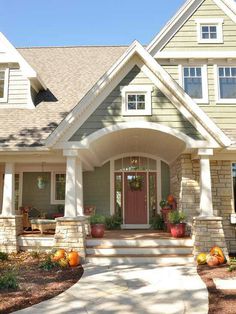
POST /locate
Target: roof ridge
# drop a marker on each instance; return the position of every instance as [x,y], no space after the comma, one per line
[76,46]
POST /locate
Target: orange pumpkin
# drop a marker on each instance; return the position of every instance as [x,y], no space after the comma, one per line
[170,199]
[73,259]
[221,259]
[217,251]
[212,260]
[61,253]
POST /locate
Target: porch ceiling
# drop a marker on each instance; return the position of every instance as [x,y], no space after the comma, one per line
[144,141]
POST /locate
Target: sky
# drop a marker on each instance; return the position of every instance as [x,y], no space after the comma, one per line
[28,23]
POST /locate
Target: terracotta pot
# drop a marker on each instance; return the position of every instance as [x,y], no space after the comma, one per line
[97,230]
[168,229]
[178,230]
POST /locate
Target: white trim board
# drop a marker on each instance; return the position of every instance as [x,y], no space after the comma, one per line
[137,55]
[125,226]
[181,17]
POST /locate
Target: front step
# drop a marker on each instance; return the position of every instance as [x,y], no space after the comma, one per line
[155,251]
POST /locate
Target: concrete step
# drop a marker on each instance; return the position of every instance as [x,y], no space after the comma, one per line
[187,242]
[30,243]
[109,251]
[159,260]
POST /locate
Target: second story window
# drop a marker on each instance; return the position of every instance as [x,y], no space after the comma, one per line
[136,100]
[210,31]
[227,83]
[194,81]
[3,85]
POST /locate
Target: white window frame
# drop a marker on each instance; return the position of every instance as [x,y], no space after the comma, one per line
[205,94]
[6,84]
[54,201]
[210,22]
[139,89]
[219,100]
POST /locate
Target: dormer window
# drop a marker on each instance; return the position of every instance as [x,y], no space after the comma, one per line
[136,100]
[210,31]
[3,84]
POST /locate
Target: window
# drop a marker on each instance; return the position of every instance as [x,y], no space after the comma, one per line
[136,100]
[194,82]
[58,184]
[3,85]
[210,30]
[227,83]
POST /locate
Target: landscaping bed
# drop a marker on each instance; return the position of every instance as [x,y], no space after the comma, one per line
[220,301]
[35,284]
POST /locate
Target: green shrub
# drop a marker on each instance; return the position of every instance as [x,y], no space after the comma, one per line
[3,256]
[48,264]
[113,222]
[176,217]
[8,280]
[97,219]
[157,222]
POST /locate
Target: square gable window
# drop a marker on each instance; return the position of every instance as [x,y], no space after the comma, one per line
[3,84]
[136,100]
[210,31]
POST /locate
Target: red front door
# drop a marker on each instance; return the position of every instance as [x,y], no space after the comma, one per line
[135,198]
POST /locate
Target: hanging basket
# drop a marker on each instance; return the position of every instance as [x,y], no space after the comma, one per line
[136,183]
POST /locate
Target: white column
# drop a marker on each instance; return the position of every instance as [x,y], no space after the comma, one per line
[79,188]
[70,197]
[206,205]
[8,203]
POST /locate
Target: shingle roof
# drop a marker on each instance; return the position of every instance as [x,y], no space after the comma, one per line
[68,72]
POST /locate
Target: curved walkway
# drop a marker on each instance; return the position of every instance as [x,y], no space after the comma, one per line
[140,289]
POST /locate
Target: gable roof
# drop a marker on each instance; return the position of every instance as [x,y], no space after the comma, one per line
[68,72]
[163,81]
[180,18]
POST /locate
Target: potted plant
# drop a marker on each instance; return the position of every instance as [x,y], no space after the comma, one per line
[177,224]
[165,210]
[97,223]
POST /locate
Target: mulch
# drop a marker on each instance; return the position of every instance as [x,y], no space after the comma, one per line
[35,284]
[220,301]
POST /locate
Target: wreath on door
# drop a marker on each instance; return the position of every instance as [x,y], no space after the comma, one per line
[136,183]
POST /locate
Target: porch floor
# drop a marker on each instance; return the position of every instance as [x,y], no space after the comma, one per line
[136,234]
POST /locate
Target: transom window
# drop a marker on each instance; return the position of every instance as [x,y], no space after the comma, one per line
[136,100]
[3,85]
[227,82]
[208,32]
[58,184]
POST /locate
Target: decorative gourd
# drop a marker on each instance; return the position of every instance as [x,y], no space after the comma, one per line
[73,259]
[63,262]
[221,259]
[61,253]
[212,260]
[201,258]
[170,199]
[217,251]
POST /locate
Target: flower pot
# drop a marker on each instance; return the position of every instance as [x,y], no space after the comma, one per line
[97,230]
[178,230]
[168,229]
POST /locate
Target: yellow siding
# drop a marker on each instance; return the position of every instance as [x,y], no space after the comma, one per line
[186,37]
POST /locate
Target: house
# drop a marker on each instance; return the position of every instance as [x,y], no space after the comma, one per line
[80,124]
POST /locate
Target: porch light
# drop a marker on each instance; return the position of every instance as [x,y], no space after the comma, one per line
[41,183]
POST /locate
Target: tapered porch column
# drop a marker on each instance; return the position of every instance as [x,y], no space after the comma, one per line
[79,187]
[8,203]
[206,205]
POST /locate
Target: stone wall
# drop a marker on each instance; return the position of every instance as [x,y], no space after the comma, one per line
[70,234]
[10,228]
[222,195]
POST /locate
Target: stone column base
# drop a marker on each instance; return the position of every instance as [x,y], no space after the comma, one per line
[10,228]
[208,232]
[70,234]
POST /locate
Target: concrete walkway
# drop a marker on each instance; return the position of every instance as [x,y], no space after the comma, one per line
[142,289]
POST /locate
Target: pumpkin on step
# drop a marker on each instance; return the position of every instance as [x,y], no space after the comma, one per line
[73,258]
[170,199]
[212,260]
